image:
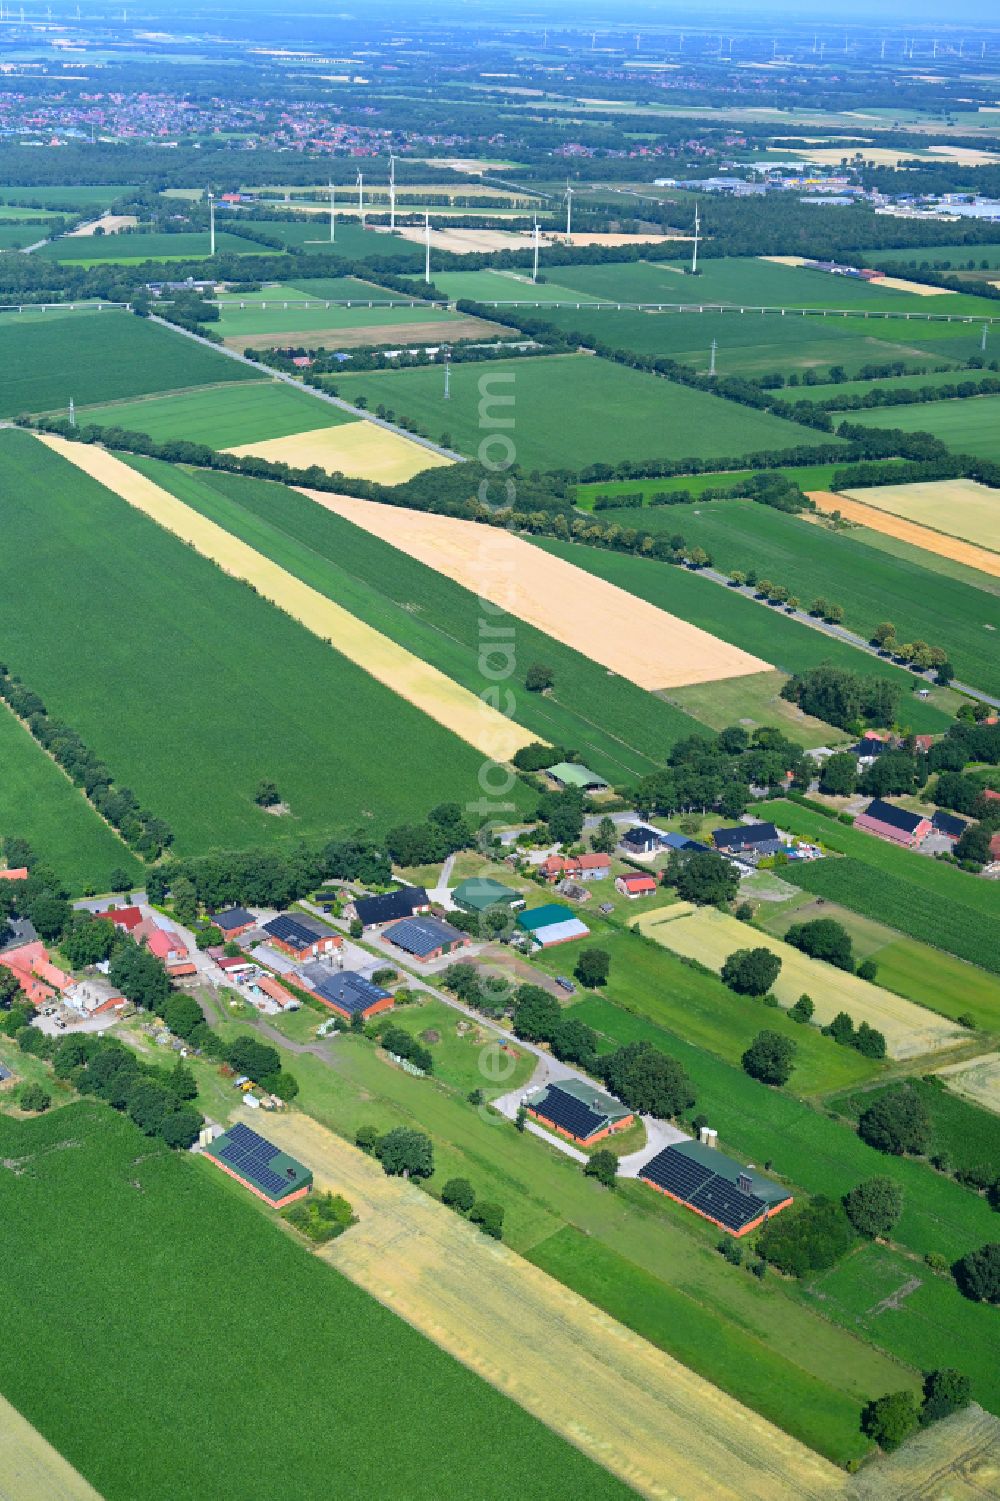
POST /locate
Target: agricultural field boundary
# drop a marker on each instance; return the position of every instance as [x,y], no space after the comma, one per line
[956,499]
[30,1469]
[543,1345]
[939,543]
[977,1079]
[438,696]
[625,634]
[710,937]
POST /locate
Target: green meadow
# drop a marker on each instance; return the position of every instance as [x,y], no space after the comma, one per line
[133,249]
[221,416]
[971,425]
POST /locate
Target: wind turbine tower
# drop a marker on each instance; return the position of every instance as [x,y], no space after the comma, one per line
[427,247]
[697,236]
[569,208]
[446,357]
[982,342]
[711,363]
[361,199]
[534,266]
[72,413]
[333,213]
[392,193]
[211,222]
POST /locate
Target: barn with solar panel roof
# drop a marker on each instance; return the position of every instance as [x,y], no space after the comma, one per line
[700,1177]
[260,1166]
[579,1111]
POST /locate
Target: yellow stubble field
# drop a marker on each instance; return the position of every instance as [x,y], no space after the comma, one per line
[359,449]
[30,1469]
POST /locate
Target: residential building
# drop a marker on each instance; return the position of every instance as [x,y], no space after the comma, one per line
[897,825]
[426,938]
[588,867]
[17,873]
[753,839]
[168,946]
[640,839]
[373,911]
[552,924]
[635,883]
[579,1111]
[34,971]
[300,936]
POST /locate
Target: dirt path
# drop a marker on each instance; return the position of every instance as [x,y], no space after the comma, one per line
[442,699]
[30,1469]
[665,1431]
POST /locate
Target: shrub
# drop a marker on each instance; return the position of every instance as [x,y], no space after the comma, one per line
[803,1009]
[945,1391]
[489,1218]
[34,1098]
[874,1207]
[603,1166]
[321,1217]
[458,1193]
[807,1239]
[770,1058]
[889,1420]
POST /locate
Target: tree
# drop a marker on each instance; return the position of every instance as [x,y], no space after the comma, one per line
[867,970]
[770,1058]
[897,1122]
[185,899]
[648,1081]
[180,1127]
[593,967]
[538,678]
[536,1014]
[405,1154]
[707,879]
[574,1042]
[209,936]
[978,1274]
[458,1193]
[120,881]
[50,914]
[603,1166]
[89,942]
[182,1082]
[869,1042]
[34,1098]
[803,1009]
[889,1420]
[808,1238]
[182,1014]
[823,938]
[367,1139]
[489,1218]
[945,1391]
[874,1207]
[751,971]
[255,1059]
[974,844]
[605,836]
[883,633]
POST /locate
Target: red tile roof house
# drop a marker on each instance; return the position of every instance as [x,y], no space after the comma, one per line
[634,884]
[34,971]
[128,918]
[168,947]
[995,846]
[588,867]
[19,873]
[897,825]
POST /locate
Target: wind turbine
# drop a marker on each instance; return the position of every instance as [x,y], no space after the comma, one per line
[711,363]
[446,358]
[211,222]
[534,267]
[427,247]
[392,193]
[361,199]
[333,213]
[569,208]
[697,235]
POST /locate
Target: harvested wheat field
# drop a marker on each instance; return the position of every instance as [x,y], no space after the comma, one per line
[359,449]
[372,333]
[598,237]
[623,633]
[710,937]
[440,698]
[960,508]
[468,241]
[667,1432]
[955,1460]
[908,531]
[978,1079]
[30,1469]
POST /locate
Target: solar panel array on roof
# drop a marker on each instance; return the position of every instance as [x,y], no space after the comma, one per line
[251,1157]
[293,930]
[696,1185]
[570,1114]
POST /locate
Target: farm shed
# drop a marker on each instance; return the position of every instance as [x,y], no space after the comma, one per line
[372,911]
[260,1166]
[948,824]
[347,993]
[735,1198]
[552,924]
[301,937]
[15,873]
[897,825]
[234,922]
[480,893]
[579,1111]
[426,937]
[573,774]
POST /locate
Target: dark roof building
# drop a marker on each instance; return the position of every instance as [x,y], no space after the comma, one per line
[260,1166]
[949,824]
[682,842]
[425,937]
[734,1197]
[16,932]
[759,838]
[346,992]
[898,825]
[391,905]
[641,840]
[299,934]
[578,1110]
[234,920]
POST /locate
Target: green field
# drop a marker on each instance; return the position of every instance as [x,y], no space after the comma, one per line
[40,804]
[104,1200]
[221,416]
[95,196]
[971,425]
[311,233]
[787,644]
[968,1136]
[812,560]
[570,411]
[807,476]
[331,288]
[192,687]
[501,286]
[133,249]
[291,321]
[932,380]
[622,731]
[94,357]
[938,257]
[15,236]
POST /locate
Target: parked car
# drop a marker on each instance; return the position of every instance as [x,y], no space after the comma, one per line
[565,984]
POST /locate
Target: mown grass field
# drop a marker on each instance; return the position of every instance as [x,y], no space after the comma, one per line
[40,804]
[100,1198]
[223,688]
[622,731]
[789,645]
[968,1136]
[311,232]
[94,357]
[135,248]
[221,416]
[501,286]
[330,288]
[570,411]
[812,561]
[940,257]
[971,425]
[82,196]
[14,236]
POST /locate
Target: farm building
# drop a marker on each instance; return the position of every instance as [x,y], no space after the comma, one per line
[868,749]
[588,867]
[572,774]
[897,825]
[94,997]
[481,893]
[426,937]
[948,824]
[267,985]
[579,1111]
[15,873]
[372,911]
[683,843]
[34,971]
[126,918]
[234,922]
[635,883]
[347,993]
[301,937]
[16,932]
[754,839]
[552,924]
[168,946]
[640,839]
[735,1198]
[260,1166]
